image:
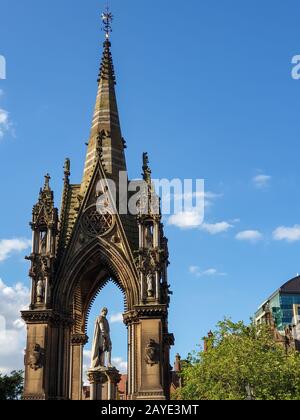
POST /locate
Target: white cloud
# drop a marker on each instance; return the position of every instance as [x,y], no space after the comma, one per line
[194,220]
[249,235]
[289,234]
[211,272]
[120,364]
[215,228]
[190,207]
[207,196]
[87,355]
[4,122]
[261,181]
[9,246]
[13,299]
[116,318]
[187,219]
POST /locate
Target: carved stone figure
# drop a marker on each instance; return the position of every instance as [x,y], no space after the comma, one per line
[149,237]
[102,345]
[150,286]
[43,243]
[67,167]
[151,353]
[36,357]
[40,291]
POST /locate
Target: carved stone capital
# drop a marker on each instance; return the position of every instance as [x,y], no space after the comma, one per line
[79,339]
[97,376]
[130,318]
[114,376]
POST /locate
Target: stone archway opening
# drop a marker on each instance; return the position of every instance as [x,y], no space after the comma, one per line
[111,297]
[95,286]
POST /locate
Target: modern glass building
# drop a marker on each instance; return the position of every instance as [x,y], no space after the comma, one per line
[284,306]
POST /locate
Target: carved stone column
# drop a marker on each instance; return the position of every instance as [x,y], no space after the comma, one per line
[148,358]
[97,379]
[78,341]
[114,378]
[104,384]
[47,355]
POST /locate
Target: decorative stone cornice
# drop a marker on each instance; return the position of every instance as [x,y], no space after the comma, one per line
[151,311]
[34,397]
[153,395]
[79,339]
[145,311]
[47,317]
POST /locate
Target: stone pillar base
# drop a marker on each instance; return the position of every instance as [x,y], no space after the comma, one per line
[104,383]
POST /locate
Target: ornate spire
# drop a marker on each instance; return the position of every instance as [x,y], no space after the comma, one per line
[47,182]
[146,169]
[106,117]
[44,212]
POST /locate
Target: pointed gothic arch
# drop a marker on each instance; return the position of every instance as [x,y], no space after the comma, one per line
[91,270]
[96,255]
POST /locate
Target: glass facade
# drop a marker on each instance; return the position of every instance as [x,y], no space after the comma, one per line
[282,309]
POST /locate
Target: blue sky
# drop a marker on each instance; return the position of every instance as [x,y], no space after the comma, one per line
[206,88]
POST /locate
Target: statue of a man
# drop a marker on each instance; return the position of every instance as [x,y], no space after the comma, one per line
[150,288]
[102,346]
[40,291]
[149,237]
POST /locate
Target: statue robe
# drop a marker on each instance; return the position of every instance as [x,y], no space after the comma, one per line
[101,342]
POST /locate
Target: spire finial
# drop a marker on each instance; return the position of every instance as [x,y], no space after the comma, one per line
[146,169]
[67,168]
[47,182]
[107,18]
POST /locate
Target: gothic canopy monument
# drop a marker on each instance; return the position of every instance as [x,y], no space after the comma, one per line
[78,250]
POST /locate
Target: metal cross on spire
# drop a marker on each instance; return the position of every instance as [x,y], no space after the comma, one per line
[107,18]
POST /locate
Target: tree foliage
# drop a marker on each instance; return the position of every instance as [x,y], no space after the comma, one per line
[11,386]
[242,362]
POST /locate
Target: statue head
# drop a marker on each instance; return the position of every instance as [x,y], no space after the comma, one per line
[104,311]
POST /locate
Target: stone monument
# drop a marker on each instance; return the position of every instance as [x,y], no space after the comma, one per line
[103,377]
[77,250]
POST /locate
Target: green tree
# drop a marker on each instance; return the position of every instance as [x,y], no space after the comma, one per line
[241,362]
[11,386]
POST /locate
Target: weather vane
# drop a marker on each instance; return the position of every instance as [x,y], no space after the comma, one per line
[107,19]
